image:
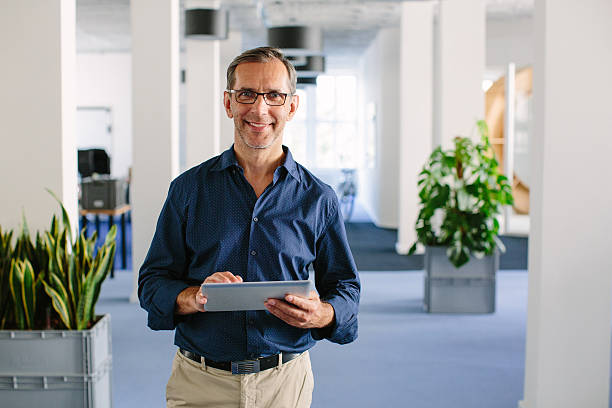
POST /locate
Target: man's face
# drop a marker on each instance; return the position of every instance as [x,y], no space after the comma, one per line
[260,126]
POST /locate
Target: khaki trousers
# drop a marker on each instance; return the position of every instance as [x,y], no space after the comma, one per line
[287,386]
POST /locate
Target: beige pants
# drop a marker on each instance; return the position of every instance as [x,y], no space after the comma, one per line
[288,386]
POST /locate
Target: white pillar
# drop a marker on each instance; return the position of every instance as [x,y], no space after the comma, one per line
[37,112]
[388,45]
[155,85]
[230,49]
[202,106]
[509,119]
[570,279]
[461,63]
[416,105]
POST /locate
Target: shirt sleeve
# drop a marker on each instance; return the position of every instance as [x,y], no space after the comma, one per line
[162,275]
[337,280]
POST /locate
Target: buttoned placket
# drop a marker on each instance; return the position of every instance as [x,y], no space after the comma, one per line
[253,252]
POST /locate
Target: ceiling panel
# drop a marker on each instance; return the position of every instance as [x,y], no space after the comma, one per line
[348,25]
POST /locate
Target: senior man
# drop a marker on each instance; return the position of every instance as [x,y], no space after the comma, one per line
[250,214]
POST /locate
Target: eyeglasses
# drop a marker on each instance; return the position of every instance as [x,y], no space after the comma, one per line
[249,97]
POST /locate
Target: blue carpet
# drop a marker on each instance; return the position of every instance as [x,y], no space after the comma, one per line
[402,358]
[374,250]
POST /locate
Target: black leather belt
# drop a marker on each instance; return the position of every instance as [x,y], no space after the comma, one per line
[244,366]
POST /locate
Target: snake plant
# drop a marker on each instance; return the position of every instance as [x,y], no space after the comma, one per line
[6,303]
[461,193]
[53,273]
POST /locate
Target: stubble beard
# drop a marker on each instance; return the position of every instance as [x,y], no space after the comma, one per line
[252,146]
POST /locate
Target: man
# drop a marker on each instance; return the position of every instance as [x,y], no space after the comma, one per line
[250,214]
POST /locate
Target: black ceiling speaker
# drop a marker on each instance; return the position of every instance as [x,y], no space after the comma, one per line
[296,40]
[297,61]
[206,24]
[315,65]
[307,81]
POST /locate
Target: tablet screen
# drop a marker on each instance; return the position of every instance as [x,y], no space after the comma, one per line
[223,297]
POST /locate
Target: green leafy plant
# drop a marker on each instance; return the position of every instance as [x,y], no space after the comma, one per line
[461,193]
[54,273]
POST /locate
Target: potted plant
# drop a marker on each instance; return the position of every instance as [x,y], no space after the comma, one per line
[461,194]
[54,349]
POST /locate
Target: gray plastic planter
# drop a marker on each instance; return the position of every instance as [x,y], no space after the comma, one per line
[468,289]
[57,368]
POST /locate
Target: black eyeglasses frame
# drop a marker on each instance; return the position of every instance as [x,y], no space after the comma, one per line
[263,94]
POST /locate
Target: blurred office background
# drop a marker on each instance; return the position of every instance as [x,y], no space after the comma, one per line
[106,101]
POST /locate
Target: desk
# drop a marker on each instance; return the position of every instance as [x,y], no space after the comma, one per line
[122,211]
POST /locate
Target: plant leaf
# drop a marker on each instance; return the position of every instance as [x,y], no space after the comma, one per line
[59,304]
[15,282]
[28,294]
[65,218]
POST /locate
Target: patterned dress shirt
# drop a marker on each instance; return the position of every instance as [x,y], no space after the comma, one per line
[212,221]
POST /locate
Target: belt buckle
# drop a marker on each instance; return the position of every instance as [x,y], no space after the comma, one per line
[245,367]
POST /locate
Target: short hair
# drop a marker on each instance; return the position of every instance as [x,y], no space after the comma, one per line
[262,54]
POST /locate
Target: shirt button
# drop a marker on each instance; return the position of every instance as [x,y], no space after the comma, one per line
[253,253]
[255,219]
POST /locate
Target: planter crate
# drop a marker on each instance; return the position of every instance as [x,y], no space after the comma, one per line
[63,368]
[468,289]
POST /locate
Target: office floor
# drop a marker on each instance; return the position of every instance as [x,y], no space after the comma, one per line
[402,358]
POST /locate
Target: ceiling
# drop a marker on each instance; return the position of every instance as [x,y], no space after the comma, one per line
[348,25]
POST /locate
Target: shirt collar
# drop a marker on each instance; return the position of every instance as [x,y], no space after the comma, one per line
[290,165]
[228,159]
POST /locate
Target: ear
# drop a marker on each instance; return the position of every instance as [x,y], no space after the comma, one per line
[227,104]
[295,102]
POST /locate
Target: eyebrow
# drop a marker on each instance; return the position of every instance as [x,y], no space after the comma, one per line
[268,91]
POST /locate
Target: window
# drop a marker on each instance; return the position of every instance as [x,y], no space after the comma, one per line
[323,133]
[336,132]
[296,131]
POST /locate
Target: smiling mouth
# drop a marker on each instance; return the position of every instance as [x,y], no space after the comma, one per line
[257,125]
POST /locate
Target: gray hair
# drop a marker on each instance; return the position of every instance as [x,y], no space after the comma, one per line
[262,54]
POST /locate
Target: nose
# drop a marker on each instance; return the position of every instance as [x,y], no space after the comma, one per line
[260,104]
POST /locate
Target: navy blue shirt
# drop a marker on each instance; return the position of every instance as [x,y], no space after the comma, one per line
[212,221]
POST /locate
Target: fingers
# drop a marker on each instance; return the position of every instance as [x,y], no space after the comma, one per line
[288,313]
[223,277]
[190,300]
[200,302]
[309,304]
[200,298]
[302,312]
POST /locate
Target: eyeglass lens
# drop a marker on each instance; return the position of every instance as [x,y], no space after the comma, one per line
[271,98]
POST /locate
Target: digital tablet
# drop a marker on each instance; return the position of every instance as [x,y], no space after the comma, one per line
[224,297]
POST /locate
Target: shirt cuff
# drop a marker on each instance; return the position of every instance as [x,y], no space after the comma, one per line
[161,315]
[344,328]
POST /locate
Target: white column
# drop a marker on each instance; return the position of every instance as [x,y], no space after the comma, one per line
[37,112]
[202,90]
[155,85]
[416,106]
[509,119]
[570,279]
[230,49]
[461,59]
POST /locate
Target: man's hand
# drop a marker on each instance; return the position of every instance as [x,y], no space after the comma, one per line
[305,313]
[191,300]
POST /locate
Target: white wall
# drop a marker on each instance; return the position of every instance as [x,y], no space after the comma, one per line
[37,112]
[510,40]
[105,79]
[379,77]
